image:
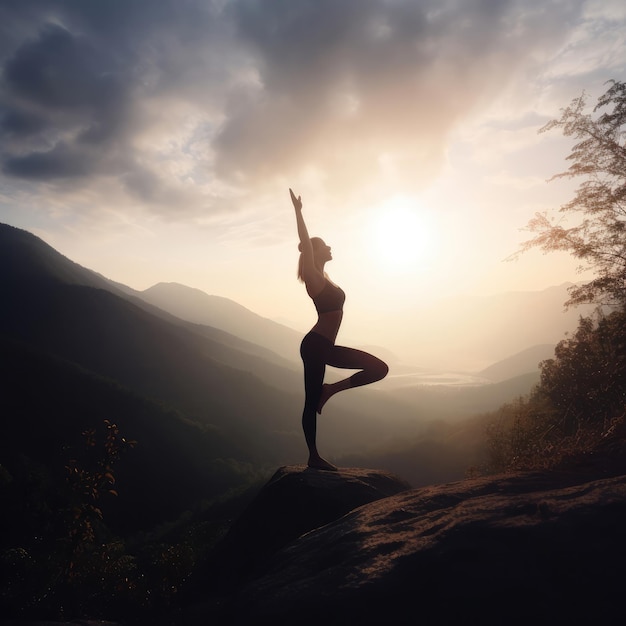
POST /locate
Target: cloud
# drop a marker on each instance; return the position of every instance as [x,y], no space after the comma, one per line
[347,86]
[190,102]
[80,90]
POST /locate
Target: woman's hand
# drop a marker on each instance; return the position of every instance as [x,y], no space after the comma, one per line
[297,202]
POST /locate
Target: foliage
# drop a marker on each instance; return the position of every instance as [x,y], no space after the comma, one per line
[582,390]
[173,468]
[586,379]
[90,480]
[581,394]
[61,560]
[62,557]
[519,436]
[598,157]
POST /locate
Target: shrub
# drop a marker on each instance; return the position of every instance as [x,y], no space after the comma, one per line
[581,393]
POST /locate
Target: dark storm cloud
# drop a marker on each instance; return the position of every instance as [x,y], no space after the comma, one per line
[282,83]
[59,162]
[60,70]
[60,86]
[74,73]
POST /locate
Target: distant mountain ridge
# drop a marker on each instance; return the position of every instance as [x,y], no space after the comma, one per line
[470,333]
[521,363]
[26,258]
[213,415]
[217,393]
[199,307]
[250,395]
[495,326]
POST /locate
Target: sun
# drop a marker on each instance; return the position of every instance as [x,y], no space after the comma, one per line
[402,234]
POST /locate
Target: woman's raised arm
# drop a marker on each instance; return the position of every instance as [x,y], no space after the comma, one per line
[303,233]
[309,272]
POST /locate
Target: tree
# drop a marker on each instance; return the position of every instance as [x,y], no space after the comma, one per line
[578,407]
[586,379]
[599,159]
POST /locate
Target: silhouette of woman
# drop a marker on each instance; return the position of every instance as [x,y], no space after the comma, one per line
[318,347]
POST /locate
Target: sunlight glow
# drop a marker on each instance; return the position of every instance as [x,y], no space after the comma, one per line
[403,235]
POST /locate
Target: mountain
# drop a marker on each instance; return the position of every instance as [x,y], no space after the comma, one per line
[27,260]
[47,403]
[245,396]
[60,308]
[205,406]
[458,333]
[248,396]
[209,412]
[212,415]
[201,308]
[523,362]
[469,333]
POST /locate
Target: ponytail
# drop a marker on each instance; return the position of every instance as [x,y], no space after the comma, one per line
[300,277]
[315,242]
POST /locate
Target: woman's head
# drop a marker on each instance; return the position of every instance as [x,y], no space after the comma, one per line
[321,254]
[316,244]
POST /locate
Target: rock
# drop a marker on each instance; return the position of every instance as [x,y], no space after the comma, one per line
[297,499]
[529,548]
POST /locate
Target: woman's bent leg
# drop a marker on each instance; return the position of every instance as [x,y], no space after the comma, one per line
[372,369]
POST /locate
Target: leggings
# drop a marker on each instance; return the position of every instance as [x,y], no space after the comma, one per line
[317,352]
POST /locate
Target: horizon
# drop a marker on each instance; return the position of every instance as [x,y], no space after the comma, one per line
[411,133]
[469,348]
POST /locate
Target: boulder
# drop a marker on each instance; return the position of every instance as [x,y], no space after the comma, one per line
[296,500]
[539,548]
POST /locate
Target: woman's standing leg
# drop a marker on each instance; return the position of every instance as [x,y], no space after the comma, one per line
[313,351]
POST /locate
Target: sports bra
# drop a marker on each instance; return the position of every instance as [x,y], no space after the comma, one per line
[331,298]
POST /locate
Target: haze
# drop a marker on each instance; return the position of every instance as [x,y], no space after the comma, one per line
[155,140]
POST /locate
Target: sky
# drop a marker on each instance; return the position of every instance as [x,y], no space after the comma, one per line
[156,140]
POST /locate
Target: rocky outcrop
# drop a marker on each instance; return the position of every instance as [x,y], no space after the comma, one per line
[296,499]
[526,548]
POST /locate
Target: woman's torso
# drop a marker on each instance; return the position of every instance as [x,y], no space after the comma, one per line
[329,304]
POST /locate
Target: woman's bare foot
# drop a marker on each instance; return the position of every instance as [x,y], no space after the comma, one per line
[317,462]
[327,392]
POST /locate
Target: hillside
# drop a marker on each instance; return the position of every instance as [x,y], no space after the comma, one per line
[201,308]
[249,394]
[115,339]
[47,403]
[524,362]
[58,308]
[232,386]
[212,416]
[27,260]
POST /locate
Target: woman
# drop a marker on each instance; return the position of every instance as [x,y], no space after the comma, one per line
[318,347]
